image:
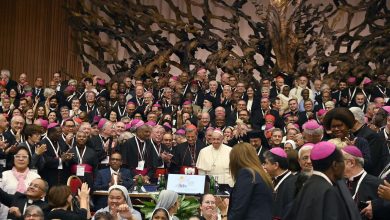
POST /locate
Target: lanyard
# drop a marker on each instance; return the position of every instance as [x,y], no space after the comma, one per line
[258,152]
[119,111]
[70,146]
[155,148]
[139,150]
[21,137]
[52,146]
[358,185]
[139,102]
[80,156]
[281,181]
[382,91]
[29,148]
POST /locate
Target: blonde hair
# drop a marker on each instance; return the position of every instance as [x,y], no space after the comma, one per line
[243,155]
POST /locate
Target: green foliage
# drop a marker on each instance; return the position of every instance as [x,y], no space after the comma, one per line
[188,207]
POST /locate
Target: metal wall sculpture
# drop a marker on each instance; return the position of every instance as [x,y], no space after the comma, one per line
[292,36]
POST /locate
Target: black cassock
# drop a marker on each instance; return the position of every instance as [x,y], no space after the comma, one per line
[368,191]
[88,157]
[320,200]
[283,195]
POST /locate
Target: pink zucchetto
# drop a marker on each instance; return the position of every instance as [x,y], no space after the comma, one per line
[151,123]
[28,94]
[278,151]
[167,125]
[44,123]
[101,123]
[353,151]
[321,112]
[101,82]
[52,125]
[180,132]
[311,125]
[218,131]
[351,79]
[387,109]
[138,124]
[322,150]
[187,102]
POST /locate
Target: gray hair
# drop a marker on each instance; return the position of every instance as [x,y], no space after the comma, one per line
[32,208]
[6,73]
[358,114]
[304,148]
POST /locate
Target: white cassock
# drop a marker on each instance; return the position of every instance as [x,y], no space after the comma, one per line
[216,163]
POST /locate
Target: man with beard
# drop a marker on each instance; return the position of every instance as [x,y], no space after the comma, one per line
[55,170]
[324,196]
[138,154]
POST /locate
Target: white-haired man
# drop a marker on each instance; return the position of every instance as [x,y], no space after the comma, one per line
[378,149]
[214,159]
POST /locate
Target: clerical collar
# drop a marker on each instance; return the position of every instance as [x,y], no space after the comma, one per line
[139,140]
[357,176]
[318,173]
[277,178]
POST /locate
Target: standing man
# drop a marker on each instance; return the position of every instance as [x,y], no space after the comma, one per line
[323,197]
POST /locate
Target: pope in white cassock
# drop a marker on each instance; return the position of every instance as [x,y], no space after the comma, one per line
[214,159]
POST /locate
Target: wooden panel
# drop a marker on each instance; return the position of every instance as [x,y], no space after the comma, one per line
[35,38]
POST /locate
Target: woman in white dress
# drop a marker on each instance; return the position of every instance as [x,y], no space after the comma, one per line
[18,178]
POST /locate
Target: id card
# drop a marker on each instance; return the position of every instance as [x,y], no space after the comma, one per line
[141,165]
[2,162]
[80,170]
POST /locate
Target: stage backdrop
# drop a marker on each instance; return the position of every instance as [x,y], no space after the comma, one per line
[36,39]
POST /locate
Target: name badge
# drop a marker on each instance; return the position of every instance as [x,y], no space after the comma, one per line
[141,165]
[2,162]
[80,170]
[60,165]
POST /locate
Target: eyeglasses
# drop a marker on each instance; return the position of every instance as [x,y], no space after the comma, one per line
[209,202]
[33,215]
[35,186]
[24,157]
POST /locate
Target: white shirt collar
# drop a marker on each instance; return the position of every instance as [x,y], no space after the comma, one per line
[353,177]
[113,171]
[318,173]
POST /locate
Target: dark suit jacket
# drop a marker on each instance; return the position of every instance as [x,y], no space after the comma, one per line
[320,200]
[19,200]
[130,156]
[250,199]
[378,149]
[182,155]
[103,178]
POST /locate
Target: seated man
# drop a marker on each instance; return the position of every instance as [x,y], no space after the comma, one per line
[112,176]
[18,202]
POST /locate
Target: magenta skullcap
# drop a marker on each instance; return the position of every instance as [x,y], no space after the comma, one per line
[353,151]
[167,125]
[180,132]
[127,126]
[278,151]
[322,150]
[130,102]
[176,78]
[96,118]
[187,103]
[28,94]
[44,123]
[367,81]
[101,123]
[101,82]
[52,125]
[311,125]
[134,122]
[268,127]
[352,79]
[70,89]
[387,109]
[321,112]
[151,123]
[138,124]
[156,105]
